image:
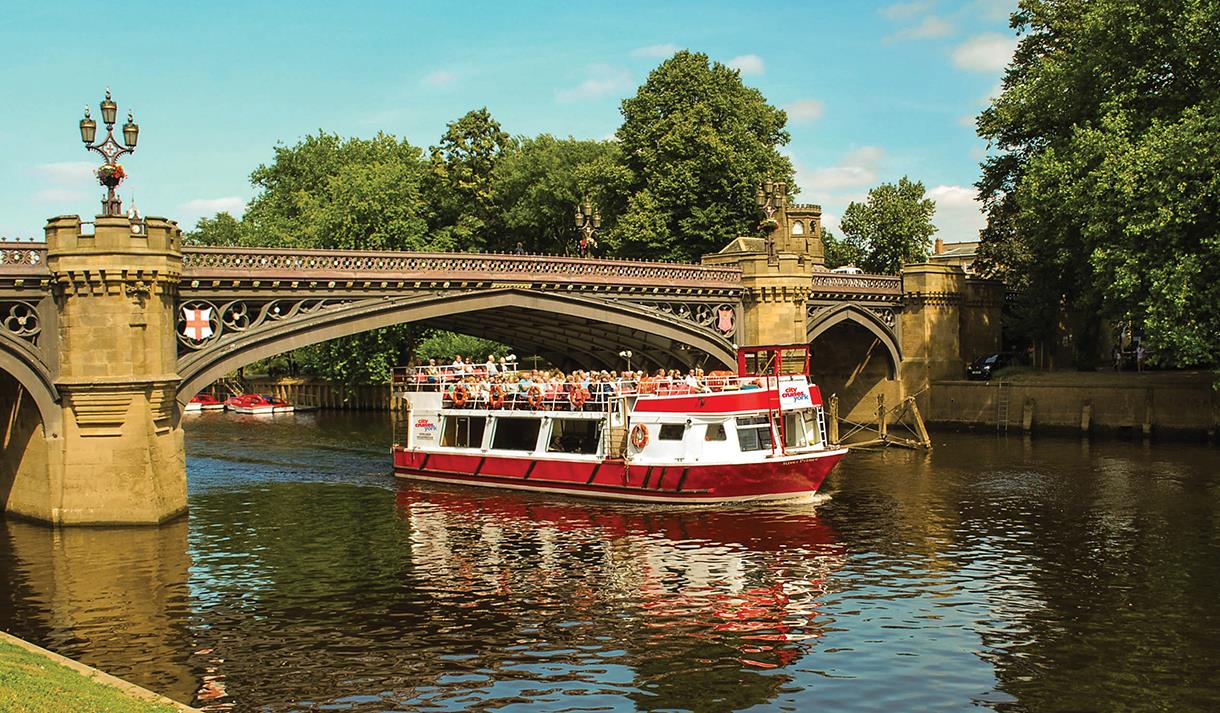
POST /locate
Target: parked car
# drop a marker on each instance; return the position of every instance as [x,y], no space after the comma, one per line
[981,369]
[848,270]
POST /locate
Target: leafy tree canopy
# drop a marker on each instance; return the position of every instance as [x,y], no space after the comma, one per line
[697,142]
[890,229]
[841,251]
[461,189]
[1102,195]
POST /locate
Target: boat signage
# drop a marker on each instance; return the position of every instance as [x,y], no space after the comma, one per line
[794,395]
[425,428]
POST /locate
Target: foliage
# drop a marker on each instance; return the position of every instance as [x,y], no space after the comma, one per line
[223,229]
[1102,196]
[539,182]
[460,183]
[443,346]
[697,142]
[892,228]
[841,251]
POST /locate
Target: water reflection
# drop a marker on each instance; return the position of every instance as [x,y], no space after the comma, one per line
[110,597]
[1007,574]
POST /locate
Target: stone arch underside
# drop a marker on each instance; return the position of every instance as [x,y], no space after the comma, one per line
[590,330]
[864,318]
[20,360]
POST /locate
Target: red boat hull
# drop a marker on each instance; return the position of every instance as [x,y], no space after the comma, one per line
[780,478]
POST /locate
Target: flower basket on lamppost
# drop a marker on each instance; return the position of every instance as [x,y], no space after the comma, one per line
[110,174]
[770,199]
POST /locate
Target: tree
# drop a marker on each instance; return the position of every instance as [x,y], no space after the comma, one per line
[1102,194]
[539,182]
[223,229]
[460,181]
[841,251]
[698,141]
[892,228]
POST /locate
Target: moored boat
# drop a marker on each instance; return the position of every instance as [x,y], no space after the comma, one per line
[204,402]
[258,404]
[758,434]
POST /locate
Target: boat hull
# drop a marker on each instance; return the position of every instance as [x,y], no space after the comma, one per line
[773,479]
[254,410]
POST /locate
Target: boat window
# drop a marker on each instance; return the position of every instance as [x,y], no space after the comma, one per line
[754,433]
[715,432]
[813,432]
[570,435]
[516,434]
[463,431]
[671,432]
[794,429]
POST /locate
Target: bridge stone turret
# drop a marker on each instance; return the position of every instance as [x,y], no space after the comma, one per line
[121,448]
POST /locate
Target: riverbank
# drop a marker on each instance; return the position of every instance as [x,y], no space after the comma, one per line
[34,680]
[1171,403]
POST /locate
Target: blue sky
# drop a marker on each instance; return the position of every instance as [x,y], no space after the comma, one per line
[874,91]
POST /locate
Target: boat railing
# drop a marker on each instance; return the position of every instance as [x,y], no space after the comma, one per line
[516,390]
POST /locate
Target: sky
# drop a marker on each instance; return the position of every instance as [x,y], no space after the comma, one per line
[873,91]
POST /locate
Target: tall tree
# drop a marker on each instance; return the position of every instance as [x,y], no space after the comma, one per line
[460,181]
[1103,193]
[538,184]
[223,229]
[697,142]
[840,252]
[892,228]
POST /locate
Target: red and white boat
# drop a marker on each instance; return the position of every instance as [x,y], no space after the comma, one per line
[204,402]
[758,434]
[257,404]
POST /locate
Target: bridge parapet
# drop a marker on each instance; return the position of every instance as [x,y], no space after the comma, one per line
[345,265]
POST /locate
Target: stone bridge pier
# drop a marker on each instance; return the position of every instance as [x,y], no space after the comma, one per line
[104,446]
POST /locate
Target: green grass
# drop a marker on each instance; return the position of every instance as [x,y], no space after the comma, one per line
[30,683]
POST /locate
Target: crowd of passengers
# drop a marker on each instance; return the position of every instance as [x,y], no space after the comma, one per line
[500,384]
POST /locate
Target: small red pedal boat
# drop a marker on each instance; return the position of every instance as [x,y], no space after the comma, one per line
[259,404]
[205,402]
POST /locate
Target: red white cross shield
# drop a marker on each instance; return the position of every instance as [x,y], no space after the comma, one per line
[198,323]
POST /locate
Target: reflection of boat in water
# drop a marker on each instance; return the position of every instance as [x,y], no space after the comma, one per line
[745,577]
[758,434]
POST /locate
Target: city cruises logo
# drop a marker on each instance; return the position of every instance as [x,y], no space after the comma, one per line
[794,395]
[425,428]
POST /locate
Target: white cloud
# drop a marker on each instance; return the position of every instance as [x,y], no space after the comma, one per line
[968,120]
[67,172]
[996,9]
[857,169]
[439,78]
[985,53]
[747,64]
[59,195]
[906,10]
[233,205]
[959,215]
[930,27]
[655,51]
[603,79]
[805,110]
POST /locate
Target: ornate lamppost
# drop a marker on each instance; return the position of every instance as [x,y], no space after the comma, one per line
[770,199]
[111,172]
[587,221]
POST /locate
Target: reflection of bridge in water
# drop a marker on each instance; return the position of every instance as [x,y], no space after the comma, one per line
[106,334]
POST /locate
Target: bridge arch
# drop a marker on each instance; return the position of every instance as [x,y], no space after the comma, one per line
[200,368]
[822,321]
[20,360]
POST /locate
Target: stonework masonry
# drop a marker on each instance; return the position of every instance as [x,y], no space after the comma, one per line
[119,458]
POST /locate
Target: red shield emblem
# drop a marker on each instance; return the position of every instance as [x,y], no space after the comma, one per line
[724,319]
[198,323]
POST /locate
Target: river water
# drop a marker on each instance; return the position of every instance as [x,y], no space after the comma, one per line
[996,573]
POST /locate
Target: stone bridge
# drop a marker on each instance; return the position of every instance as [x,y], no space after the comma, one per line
[109,328]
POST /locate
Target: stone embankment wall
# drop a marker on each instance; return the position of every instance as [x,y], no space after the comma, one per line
[1152,406]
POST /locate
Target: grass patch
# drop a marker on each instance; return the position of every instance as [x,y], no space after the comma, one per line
[30,683]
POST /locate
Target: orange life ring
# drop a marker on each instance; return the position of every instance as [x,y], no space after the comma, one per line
[534,396]
[639,435]
[577,396]
[460,395]
[647,386]
[497,396]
